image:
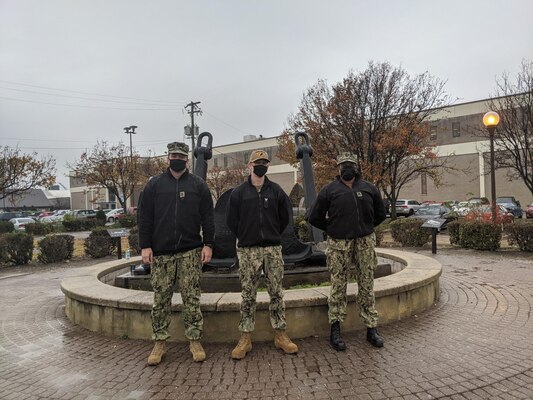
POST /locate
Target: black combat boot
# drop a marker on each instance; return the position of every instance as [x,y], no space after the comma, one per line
[335,339]
[372,335]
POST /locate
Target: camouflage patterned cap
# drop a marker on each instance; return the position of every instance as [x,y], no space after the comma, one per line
[178,147]
[259,155]
[346,157]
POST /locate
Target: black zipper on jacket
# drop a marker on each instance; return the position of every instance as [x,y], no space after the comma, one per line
[357,210]
[176,200]
[260,214]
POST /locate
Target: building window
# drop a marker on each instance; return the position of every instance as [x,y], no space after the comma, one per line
[433,132]
[225,161]
[456,129]
[424,183]
[215,161]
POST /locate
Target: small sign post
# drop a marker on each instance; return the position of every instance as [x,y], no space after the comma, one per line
[118,233]
[435,224]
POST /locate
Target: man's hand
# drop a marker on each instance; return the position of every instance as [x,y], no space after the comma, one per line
[207,253]
[147,255]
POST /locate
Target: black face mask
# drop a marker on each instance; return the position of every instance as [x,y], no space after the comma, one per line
[178,165]
[348,173]
[260,170]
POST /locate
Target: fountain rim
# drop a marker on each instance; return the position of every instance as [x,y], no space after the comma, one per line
[91,285]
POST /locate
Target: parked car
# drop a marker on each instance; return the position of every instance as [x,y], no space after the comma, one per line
[434,211]
[406,207]
[84,214]
[508,199]
[6,216]
[111,216]
[478,200]
[44,214]
[484,213]
[513,208]
[131,210]
[20,223]
[529,211]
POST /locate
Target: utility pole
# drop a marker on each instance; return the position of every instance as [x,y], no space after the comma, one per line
[194,110]
[130,130]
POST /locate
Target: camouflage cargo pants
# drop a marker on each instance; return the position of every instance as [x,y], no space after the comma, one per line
[251,262]
[341,253]
[185,268]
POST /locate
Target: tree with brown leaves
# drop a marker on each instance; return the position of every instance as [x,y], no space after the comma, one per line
[381,115]
[220,179]
[20,172]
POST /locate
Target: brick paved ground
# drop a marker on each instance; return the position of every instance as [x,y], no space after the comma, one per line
[477,343]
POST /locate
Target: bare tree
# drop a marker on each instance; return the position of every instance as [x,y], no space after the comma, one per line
[112,167]
[20,172]
[381,115]
[220,180]
[513,101]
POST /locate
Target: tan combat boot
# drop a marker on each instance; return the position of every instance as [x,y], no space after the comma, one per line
[243,347]
[282,341]
[159,350]
[197,351]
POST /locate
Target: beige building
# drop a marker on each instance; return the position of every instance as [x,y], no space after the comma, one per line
[454,132]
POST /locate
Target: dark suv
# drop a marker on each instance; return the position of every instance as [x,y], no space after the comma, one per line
[511,204]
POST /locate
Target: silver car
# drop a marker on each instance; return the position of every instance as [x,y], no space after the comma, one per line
[20,223]
[406,207]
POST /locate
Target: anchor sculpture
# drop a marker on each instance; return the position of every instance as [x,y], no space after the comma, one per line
[294,251]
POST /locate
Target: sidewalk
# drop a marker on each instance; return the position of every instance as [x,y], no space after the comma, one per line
[476,343]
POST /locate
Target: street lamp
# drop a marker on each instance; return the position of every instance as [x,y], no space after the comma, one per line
[130,130]
[491,121]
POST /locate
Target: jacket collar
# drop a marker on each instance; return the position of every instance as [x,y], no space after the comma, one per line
[266,183]
[169,173]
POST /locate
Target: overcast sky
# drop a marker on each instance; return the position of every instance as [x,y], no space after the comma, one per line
[73,72]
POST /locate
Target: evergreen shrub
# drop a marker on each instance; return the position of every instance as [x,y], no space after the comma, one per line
[409,232]
[56,248]
[521,234]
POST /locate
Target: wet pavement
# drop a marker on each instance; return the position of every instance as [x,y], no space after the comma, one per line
[476,343]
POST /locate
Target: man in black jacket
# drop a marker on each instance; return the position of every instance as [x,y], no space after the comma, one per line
[353,208]
[258,212]
[173,208]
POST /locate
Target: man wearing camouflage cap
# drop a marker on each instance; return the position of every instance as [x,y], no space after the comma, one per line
[174,208]
[257,213]
[349,209]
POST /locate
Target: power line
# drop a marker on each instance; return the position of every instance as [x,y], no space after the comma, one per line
[93,94]
[82,98]
[78,141]
[82,106]
[227,124]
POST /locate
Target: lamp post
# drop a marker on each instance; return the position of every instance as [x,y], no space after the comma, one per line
[130,130]
[491,121]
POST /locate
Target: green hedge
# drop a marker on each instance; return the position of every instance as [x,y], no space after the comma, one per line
[6,227]
[56,248]
[453,231]
[480,235]
[78,225]
[133,240]
[128,221]
[520,234]
[409,233]
[40,228]
[16,248]
[99,243]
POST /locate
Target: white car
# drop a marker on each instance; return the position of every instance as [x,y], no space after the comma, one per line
[111,216]
[20,223]
[406,207]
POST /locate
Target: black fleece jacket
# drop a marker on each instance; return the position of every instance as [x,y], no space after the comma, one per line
[258,218]
[351,213]
[172,212]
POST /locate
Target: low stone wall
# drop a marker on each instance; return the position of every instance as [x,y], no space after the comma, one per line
[99,307]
